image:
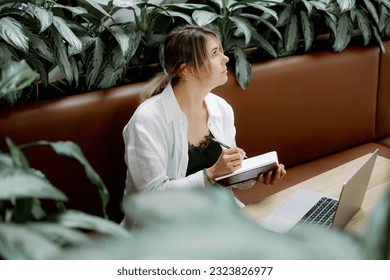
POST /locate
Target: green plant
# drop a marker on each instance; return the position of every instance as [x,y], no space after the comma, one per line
[49,35]
[206,224]
[121,35]
[106,48]
[15,76]
[152,20]
[96,45]
[357,18]
[38,31]
[27,230]
[236,22]
[299,24]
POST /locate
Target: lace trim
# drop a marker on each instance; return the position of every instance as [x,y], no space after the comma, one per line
[202,144]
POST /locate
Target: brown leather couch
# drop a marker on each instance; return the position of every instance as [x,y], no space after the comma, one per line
[317,110]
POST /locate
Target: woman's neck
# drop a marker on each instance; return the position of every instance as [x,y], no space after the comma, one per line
[190,96]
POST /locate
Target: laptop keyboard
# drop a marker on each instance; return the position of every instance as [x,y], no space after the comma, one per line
[321,213]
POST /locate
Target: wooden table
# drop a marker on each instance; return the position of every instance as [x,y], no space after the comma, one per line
[330,183]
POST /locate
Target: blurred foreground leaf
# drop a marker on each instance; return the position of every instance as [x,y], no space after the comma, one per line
[206,224]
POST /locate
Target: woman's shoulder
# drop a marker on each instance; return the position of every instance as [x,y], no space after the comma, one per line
[148,109]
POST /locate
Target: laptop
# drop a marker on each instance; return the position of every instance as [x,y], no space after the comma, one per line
[306,207]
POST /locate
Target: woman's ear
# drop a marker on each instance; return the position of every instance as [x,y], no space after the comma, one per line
[186,71]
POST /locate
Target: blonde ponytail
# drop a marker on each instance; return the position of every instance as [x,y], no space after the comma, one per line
[155,86]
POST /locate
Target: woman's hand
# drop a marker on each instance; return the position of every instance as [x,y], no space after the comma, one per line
[272,176]
[229,161]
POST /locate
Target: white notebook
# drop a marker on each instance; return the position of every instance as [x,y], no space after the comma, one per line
[251,168]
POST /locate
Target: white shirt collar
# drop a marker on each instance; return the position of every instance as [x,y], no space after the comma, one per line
[171,107]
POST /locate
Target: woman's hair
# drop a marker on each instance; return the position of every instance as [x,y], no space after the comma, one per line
[184,45]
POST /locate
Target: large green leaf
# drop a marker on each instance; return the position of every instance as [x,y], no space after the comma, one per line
[111,76]
[242,69]
[259,19]
[364,25]
[12,32]
[319,5]
[377,238]
[308,5]
[72,151]
[40,66]
[308,30]
[260,6]
[126,3]
[95,59]
[372,10]
[44,16]
[186,6]
[124,36]
[5,2]
[16,76]
[80,220]
[173,222]
[7,54]
[86,42]
[184,16]
[384,17]
[66,33]
[291,35]
[378,38]
[75,68]
[331,23]
[203,18]
[264,44]
[61,58]
[346,5]
[39,45]
[385,3]
[343,33]
[5,160]
[26,183]
[59,234]
[244,27]
[18,242]
[18,158]
[98,7]
[77,10]
[220,3]
[284,16]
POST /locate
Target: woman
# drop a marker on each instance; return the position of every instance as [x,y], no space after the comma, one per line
[168,139]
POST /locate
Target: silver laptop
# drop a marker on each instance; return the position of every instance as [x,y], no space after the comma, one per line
[308,207]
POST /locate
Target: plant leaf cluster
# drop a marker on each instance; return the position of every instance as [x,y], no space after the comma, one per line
[206,224]
[96,45]
[27,229]
[15,76]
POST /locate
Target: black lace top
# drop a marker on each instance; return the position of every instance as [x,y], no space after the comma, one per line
[204,155]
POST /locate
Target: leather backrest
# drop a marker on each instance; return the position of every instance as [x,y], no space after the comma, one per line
[94,121]
[303,106]
[307,106]
[383,113]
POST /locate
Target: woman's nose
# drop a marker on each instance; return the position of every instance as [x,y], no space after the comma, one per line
[226,58]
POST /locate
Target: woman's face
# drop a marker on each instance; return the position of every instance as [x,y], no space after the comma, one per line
[214,73]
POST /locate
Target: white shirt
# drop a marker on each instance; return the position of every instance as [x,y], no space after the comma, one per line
[156,144]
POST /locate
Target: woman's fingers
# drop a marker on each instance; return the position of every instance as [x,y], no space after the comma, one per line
[273,176]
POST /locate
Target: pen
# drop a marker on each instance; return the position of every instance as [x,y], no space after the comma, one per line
[223,144]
